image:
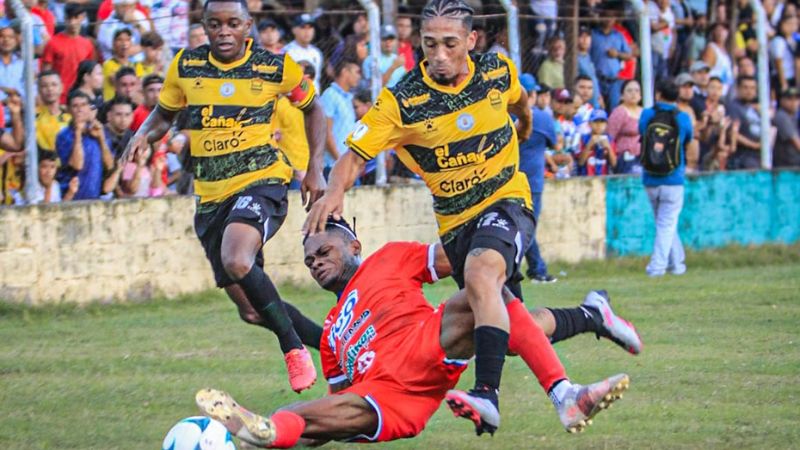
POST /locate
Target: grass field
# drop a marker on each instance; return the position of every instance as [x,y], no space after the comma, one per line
[720,367]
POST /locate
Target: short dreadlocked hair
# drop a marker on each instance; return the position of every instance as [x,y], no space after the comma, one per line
[340,227]
[451,9]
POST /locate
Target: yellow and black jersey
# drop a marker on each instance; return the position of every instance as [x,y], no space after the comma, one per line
[230,113]
[460,139]
[290,125]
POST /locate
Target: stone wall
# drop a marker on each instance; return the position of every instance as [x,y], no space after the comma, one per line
[135,249]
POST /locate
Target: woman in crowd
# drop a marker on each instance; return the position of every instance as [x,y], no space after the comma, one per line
[717,57]
[782,50]
[90,81]
[623,126]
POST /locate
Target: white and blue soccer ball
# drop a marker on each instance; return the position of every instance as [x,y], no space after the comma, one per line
[198,433]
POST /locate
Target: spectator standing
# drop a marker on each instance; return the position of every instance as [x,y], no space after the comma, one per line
[153,50]
[701,74]
[90,81]
[65,51]
[608,51]
[120,58]
[544,26]
[301,48]
[142,178]
[125,16]
[787,143]
[564,108]
[742,109]
[390,65]
[500,42]
[684,24]
[543,97]
[151,88]
[666,191]
[171,22]
[128,84]
[713,115]
[717,57]
[551,72]
[405,48]
[51,116]
[197,36]
[623,127]
[782,51]
[84,150]
[598,152]
[584,91]
[627,69]
[118,122]
[585,64]
[685,84]
[337,103]
[11,66]
[662,25]
[270,35]
[531,163]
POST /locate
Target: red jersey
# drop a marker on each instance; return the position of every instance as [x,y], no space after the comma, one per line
[405,49]
[375,313]
[628,70]
[64,53]
[139,116]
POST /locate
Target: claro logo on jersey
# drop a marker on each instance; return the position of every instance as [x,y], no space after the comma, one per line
[342,319]
[464,184]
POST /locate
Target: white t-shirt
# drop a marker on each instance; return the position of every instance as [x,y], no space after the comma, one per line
[545,8]
[662,40]
[38,196]
[780,48]
[311,54]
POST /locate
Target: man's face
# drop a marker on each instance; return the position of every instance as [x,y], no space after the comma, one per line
[153,54]
[446,43]
[269,36]
[197,37]
[543,100]
[714,90]
[79,109]
[747,91]
[585,90]
[557,50]
[404,28]
[50,89]
[361,108]
[73,24]
[303,34]
[791,104]
[119,117]
[128,85]
[352,76]
[325,255]
[701,77]
[584,42]
[122,45]
[8,40]
[747,67]
[686,92]
[227,25]
[567,108]
[47,172]
[361,25]
[151,93]
[388,46]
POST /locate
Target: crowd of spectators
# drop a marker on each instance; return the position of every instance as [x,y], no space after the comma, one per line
[100,66]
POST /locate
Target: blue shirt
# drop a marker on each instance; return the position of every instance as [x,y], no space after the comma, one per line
[11,75]
[90,178]
[686,134]
[531,152]
[338,106]
[606,66]
[384,63]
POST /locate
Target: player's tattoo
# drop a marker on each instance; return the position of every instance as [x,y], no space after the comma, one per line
[477,251]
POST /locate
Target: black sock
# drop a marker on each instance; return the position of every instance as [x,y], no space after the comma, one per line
[309,331]
[515,287]
[264,297]
[491,345]
[571,322]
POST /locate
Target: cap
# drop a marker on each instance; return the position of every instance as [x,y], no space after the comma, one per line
[266,23]
[303,19]
[683,79]
[5,23]
[562,95]
[790,92]
[698,66]
[528,82]
[598,115]
[388,32]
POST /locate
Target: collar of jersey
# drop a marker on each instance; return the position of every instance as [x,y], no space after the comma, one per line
[225,66]
[448,89]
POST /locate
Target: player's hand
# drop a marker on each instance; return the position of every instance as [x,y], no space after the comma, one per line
[137,145]
[312,188]
[330,204]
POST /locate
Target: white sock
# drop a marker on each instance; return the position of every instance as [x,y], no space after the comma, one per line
[558,392]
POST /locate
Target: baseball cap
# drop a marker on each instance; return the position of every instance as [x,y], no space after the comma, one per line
[303,19]
[698,66]
[683,79]
[5,23]
[528,82]
[790,92]
[266,23]
[388,32]
[598,115]
[562,95]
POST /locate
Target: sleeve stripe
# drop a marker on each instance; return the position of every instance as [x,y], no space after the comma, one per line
[308,100]
[432,262]
[359,151]
[337,380]
[168,108]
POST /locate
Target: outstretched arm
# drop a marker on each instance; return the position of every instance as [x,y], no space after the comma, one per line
[313,185]
[152,130]
[524,116]
[342,177]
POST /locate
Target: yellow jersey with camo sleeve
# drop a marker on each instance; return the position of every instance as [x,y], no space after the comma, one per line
[460,140]
[230,109]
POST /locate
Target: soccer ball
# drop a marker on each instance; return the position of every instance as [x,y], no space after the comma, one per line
[198,433]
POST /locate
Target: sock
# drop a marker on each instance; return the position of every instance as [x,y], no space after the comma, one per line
[310,332]
[558,391]
[571,322]
[264,297]
[288,429]
[531,344]
[514,286]
[490,353]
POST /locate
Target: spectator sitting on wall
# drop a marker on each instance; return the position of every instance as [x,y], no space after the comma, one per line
[68,48]
[270,35]
[337,103]
[120,57]
[90,82]
[609,50]
[51,116]
[390,65]
[49,190]
[125,16]
[623,127]
[11,64]
[301,48]
[585,64]
[151,88]
[598,151]
[743,109]
[153,49]
[685,84]
[787,144]
[83,149]
[197,36]
[551,71]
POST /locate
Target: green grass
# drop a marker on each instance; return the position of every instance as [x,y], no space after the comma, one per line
[720,367]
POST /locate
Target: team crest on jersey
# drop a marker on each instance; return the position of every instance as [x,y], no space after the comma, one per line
[465,121]
[360,130]
[227,89]
[495,99]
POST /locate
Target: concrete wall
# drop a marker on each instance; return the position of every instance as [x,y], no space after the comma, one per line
[133,249]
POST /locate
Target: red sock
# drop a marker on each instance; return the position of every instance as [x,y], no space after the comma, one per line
[288,429]
[529,342]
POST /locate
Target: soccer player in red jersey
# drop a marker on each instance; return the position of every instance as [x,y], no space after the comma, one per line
[390,358]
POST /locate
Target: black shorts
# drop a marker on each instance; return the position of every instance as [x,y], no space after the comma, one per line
[262,207]
[505,226]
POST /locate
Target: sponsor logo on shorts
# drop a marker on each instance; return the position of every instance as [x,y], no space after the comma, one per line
[353,351]
[493,219]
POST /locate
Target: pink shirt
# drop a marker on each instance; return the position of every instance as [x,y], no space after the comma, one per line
[625,131]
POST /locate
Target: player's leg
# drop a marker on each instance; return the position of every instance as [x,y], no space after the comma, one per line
[334,417]
[309,331]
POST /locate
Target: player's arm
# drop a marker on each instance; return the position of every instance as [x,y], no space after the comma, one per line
[340,386]
[518,101]
[342,176]
[313,186]
[441,263]
[14,142]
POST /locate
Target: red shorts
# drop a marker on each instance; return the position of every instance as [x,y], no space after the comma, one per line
[411,385]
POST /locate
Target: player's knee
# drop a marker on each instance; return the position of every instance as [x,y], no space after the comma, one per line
[237,267]
[481,276]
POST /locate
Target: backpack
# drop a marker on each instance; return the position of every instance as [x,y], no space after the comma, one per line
[661,143]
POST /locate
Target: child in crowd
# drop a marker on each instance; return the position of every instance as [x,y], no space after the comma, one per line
[153,49]
[597,147]
[120,57]
[50,191]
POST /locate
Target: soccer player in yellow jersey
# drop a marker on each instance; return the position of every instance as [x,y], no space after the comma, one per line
[229,90]
[448,120]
